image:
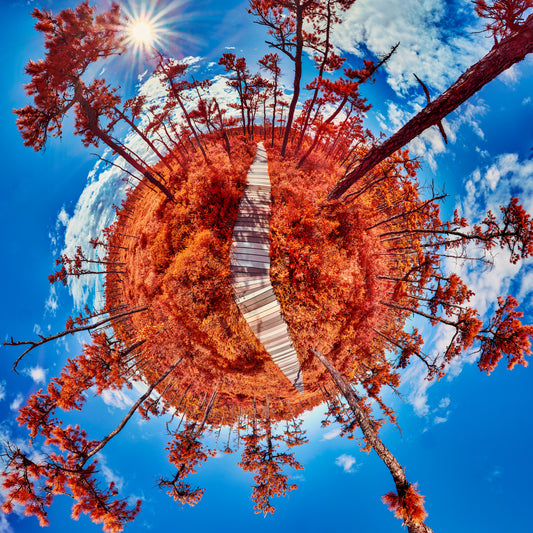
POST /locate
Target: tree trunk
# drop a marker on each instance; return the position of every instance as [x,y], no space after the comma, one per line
[318,79]
[107,139]
[297,76]
[321,128]
[503,55]
[130,413]
[395,468]
[144,137]
[274,109]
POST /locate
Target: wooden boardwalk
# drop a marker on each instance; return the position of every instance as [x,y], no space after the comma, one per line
[250,271]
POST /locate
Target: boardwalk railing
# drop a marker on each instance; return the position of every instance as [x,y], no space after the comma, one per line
[250,271]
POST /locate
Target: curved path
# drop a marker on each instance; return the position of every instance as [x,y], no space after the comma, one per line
[250,271]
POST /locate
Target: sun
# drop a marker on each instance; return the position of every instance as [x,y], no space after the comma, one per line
[148,25]
[142,32]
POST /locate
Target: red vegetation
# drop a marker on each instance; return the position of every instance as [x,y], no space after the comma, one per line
[409,507]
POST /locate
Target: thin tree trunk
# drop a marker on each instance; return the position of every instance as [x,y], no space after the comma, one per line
[395,468]
[297,77]
[144,137]
[321,128]
[319,79]
[107,139]
[130,413]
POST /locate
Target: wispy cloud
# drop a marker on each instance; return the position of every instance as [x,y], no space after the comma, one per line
[494,475]
[4,524]
[346,462]
[444,403]
[51,303]
[109,475]
[17,402]
[331,434]
[63,217]
[2,390]
[116,398]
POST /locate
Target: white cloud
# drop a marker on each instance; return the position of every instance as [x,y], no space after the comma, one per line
[93,212]
[37,373]
[440,420]
[4,524]
[51,303]
[444,403]
[141,76]
[116,398]
[428,45]
[331,434]
[419,385]
[17,402]
[63,217]
[2,390]
[483,153]
[109,475]
[346,462]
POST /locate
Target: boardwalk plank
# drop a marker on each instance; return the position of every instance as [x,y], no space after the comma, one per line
[250,267]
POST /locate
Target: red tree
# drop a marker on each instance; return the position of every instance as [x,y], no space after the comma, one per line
[74,39]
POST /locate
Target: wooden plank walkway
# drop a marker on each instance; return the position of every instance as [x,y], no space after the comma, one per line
[250,271]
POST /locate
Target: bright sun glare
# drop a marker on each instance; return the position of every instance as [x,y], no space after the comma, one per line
[142,32]
[148,26]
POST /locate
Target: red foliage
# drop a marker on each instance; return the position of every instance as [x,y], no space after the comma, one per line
[505,16]
[505,335]
[409,507]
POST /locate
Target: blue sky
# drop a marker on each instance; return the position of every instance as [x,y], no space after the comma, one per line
[465,439]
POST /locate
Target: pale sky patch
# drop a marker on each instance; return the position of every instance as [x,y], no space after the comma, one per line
[4,524]
[109,475]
